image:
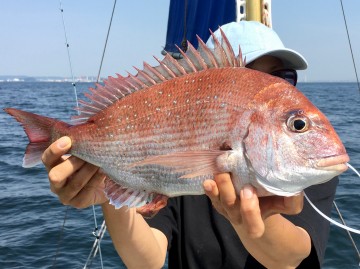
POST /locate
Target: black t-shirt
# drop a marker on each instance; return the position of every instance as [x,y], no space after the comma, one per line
[199,237]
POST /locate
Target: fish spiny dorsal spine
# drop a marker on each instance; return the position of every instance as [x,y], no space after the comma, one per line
[193,61]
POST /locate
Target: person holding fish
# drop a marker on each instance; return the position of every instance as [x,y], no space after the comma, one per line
[248,218]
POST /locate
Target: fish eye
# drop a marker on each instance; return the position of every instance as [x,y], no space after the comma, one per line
[298,123]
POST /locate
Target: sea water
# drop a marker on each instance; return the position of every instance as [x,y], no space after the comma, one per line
[31,217]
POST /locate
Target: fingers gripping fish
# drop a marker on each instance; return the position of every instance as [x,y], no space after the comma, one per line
[162,132]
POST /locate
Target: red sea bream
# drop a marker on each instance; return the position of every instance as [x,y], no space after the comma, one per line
[162,132]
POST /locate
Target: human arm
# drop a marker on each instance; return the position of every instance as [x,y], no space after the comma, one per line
[139,245]
[271,239]
[80,184]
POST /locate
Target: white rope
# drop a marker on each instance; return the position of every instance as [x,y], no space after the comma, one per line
[345,227]
[331,220]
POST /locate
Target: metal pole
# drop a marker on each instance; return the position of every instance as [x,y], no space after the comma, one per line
[254,10]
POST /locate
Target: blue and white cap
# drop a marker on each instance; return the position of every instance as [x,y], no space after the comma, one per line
[256,40]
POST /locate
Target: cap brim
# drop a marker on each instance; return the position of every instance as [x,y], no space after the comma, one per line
[290,58]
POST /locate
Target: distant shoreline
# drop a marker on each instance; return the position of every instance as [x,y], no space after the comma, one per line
[48,79]
[79,80]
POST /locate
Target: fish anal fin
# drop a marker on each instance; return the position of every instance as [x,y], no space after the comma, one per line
[152,208]
[194,163]
[147,203]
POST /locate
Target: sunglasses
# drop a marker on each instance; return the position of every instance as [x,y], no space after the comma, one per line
[290,75]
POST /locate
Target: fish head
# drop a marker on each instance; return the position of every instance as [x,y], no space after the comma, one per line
[290,144]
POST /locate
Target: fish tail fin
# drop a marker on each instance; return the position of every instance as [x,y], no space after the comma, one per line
[38,130]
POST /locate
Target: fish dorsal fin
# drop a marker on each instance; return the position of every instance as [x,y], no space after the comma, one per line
[103,96]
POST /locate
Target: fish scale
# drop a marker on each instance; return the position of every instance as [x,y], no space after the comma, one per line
[171,131]
[162,132]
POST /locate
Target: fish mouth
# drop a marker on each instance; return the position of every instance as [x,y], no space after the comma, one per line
[334,163]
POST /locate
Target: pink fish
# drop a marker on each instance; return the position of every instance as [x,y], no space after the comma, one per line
[162,132]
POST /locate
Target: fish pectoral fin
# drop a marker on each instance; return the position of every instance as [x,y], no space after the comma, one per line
[194,163]
[147,203]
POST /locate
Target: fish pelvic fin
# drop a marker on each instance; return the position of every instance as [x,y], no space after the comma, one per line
[147,203]
[193,60]
[191,163]
[38,130]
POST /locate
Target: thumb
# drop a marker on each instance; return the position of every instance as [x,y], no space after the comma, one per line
[54,152]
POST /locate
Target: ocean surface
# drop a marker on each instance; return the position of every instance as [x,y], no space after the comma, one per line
[32,234]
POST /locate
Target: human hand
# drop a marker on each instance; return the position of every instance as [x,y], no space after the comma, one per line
[247,209]
[76,182]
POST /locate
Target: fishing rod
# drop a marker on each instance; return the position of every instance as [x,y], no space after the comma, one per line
[351,51]
[97,233]
[106,40]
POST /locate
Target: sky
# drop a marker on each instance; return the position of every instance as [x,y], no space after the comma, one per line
[32,40]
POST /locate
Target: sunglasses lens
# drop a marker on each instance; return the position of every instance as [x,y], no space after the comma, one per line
[289,75]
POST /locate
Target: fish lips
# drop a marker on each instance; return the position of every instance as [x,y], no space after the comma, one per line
[334,163]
